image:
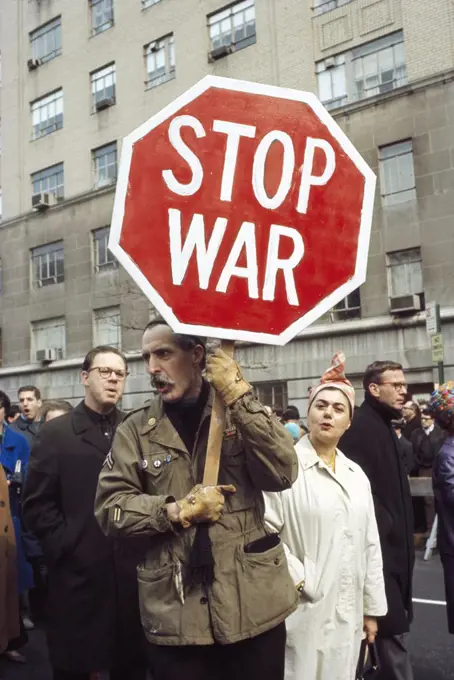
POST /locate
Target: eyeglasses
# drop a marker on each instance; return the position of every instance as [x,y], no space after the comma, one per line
[106,372]
[398,386]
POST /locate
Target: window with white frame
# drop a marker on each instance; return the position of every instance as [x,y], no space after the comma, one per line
[149,3]
[102,15]
[332,81]
[234,25]
[107,327]
[379,66]
[321,6]
[102,257]
[371,69]
[45,41]
[103,86]
[49,334]
[160,60]
[405,272]
[272,393]
[397,173]
[349,307]
[105,164]
[48,264]
[47,114]
[51,179]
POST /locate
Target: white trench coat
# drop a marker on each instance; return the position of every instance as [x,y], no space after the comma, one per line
[327,524]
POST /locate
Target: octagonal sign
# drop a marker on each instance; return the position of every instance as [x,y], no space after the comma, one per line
[242,211]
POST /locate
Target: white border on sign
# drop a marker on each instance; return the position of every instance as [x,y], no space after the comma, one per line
[327,303]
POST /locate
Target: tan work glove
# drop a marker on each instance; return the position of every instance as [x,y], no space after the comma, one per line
[203,504]
[225,375]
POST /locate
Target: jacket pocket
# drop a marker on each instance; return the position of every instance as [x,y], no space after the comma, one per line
[267,593]
[159,600]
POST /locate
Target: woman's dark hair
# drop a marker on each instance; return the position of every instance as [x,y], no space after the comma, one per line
[374,372]
[13,410]
[184,342]
[101,349]
[5,402]
[290,413]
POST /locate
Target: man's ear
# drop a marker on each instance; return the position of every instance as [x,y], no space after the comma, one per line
[197,355]
[374,390]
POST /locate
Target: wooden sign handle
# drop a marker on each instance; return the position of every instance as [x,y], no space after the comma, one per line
[217,426]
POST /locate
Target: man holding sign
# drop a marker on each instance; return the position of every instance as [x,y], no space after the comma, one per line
[214,587]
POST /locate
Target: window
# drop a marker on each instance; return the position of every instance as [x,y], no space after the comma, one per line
[370,69]
[102,257]
[107,327]
[405,272]
[51,180]
[46,41]
[233,26]
[332,81]
[47,114]
[379,66]
[348,308]
[49,334]
[48,265]
[160,61]
[272,394]
[105,164]
[149,3]
[321,6]
[397,174]
[103,87]
[102,15]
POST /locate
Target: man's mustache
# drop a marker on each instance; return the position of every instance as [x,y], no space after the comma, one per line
[161,380]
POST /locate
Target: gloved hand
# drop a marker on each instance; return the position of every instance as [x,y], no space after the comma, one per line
[225,375]
[203,504]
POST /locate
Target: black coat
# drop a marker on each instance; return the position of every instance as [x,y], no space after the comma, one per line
[426,446]
[93,616]
[407,453]
[372,443]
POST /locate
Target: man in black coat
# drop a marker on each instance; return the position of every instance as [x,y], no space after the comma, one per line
[93,616]
[372,443]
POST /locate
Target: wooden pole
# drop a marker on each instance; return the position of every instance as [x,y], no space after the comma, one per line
[217,426]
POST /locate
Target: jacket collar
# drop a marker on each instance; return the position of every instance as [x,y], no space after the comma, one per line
[88,430]
[308,456]
[157,425]
[386,413]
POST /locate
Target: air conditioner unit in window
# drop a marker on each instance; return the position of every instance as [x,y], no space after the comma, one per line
[104,103]
[405,303]
[33,63]
[45,356]
[43,201]
[220,52]
[330,62]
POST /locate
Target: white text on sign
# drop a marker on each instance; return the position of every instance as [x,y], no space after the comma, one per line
[206,253]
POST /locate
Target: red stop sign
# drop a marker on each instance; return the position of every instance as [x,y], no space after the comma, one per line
[242,211]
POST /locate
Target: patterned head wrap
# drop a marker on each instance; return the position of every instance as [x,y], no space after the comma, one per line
[441,404]
[334,377]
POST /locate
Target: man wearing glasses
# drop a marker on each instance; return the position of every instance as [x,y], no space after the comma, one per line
[93,620]
[372,443]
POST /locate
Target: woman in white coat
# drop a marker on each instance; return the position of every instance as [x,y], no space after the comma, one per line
[326,521]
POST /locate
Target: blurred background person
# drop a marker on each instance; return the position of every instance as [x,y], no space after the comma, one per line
[30,403]
[441,405]
[412,417]
[14,457]
[326,521]
[406,447]
[14,413]
[427,441]
[53,408]
[9,597]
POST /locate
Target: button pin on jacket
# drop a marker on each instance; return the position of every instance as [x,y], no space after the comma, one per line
[157,464]
[152,421]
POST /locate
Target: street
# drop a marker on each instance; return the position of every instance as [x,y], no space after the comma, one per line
[431,646]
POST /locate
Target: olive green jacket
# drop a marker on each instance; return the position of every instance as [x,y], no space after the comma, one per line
[148,467]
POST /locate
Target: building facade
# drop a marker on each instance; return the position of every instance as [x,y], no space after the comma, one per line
[79,76]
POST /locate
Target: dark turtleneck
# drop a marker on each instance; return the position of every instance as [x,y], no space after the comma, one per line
[388,413]
[185,416]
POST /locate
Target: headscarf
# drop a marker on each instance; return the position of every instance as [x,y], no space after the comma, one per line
[334,377]
[441,403]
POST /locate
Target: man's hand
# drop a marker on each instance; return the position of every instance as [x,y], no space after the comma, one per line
[202,504]
[225,375]
[370,628]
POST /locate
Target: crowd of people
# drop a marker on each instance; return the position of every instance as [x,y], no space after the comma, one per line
[297,564]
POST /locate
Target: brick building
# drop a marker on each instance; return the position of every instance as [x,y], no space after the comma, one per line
[78,76]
